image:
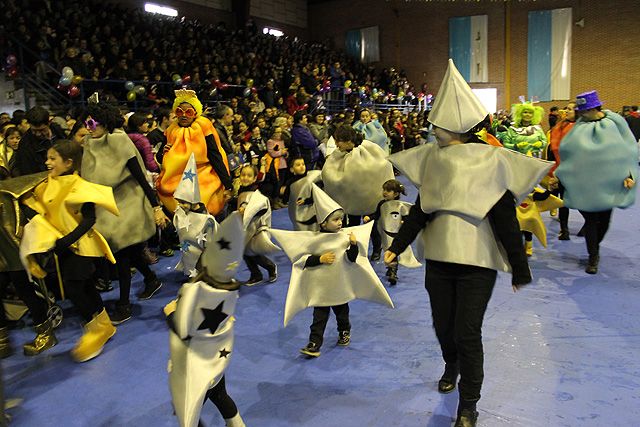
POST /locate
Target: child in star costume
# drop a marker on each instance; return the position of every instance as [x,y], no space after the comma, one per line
[388,217]
[201,327]
[528,214]
[66,214]
[191,219]
[330,268]
[296,192]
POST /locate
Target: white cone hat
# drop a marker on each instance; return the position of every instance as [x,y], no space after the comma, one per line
[456,108]
[189,189]
[323,204]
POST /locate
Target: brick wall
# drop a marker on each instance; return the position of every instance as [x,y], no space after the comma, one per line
[414,36]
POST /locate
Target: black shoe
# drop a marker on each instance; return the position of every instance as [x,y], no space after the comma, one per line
[564,234]
[393,277]
[375,256]
[581,232]
[448,380]
[150,289]
[273,275]
[344,338]
[103,285]
[120,314]
[253,281]
[592,265]
[467,418]
[311,350]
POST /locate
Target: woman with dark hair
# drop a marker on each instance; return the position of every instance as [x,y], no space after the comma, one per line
[111,159]
[138,126]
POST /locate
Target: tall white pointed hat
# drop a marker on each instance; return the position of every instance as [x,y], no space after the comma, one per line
[189,189]
[456,108]
[323,204]
[223,253]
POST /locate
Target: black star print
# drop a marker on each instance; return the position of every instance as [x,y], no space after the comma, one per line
[224,244]
[212,318]
[224,353]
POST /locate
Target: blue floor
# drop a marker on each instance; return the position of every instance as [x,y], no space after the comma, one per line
[563,352]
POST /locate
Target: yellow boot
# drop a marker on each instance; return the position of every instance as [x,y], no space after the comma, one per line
[44,340]
[96,333]
[528,247]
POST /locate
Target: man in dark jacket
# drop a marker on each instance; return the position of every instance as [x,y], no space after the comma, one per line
[32,152]
[224,118]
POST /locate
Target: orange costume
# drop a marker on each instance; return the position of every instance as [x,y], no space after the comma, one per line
[181,142]
[556,134]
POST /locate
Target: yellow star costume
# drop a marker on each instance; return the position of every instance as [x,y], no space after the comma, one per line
[58,202]
[528,214]
[183,142]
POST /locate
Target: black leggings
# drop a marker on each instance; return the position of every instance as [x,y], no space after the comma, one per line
[219,397]
[131,256]
[26,292]
[596,225]
[84,295]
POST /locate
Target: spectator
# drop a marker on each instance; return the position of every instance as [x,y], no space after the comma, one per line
[32,152]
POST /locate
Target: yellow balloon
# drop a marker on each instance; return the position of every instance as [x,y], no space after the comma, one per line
[347,83]
[250,82]
[131,96]
[76,80]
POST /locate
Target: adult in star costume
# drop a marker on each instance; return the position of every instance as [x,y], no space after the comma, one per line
[598,169]
[330,268]
[465,213]
[201,328]
[193,133]
[66,214]
[191,220]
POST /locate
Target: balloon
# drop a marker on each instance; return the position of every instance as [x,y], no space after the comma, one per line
[61,88]
[67,72]
[254,90]
[139,90]
[65,81]
[223,86]
[186,79]
[76,80]
[347,83]
[129,85]
[131,96]
[400,94]
[178,82]
[347,91]
[175,77]
[374,91]
[216,83]
[249,82]
[73,91]
[213,92]
[246,92]
[13,72]
[12,60]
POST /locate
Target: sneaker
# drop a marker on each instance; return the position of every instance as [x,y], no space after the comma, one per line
[467,418]
[150,289]
[375,257]
[344,339]
[393,277]
[311,350]
[103,285]
[253,281]
[564,235]
[273,275]
[120,314]
[592,265]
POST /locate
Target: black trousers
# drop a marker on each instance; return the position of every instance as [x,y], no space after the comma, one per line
[253,261]
[219,397]
[459,295]
[321,317]
[128,257]
[26,292]
[376,240]
[563,213]
[77,275]
[596,225]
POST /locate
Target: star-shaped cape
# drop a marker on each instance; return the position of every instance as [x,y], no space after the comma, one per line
[391,214]
[256,221]
[329,284]
[203,323]
[303,216]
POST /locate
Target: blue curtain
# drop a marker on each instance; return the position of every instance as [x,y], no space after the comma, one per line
[353,44]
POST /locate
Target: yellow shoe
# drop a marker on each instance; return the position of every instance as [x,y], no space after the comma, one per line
[553,212]
[528,248]
[96,333]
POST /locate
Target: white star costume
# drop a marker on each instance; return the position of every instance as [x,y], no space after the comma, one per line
[354,179]
[193,228]
[256,220]
[389,223]
[329,284]
[303,216]
[201,339]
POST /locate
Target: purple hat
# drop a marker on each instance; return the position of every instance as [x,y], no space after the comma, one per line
[587,101]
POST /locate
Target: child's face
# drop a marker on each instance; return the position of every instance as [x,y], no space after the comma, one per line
[242,127]
[298,167]
[333,224]
[187,206]
[56,164]
[389,194]
[247,177]
[13,140]
[255,133]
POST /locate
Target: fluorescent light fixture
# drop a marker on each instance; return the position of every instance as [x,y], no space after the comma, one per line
[488,97]
[162,10]
[272,31]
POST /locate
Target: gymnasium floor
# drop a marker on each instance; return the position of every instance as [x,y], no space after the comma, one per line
[562,352]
